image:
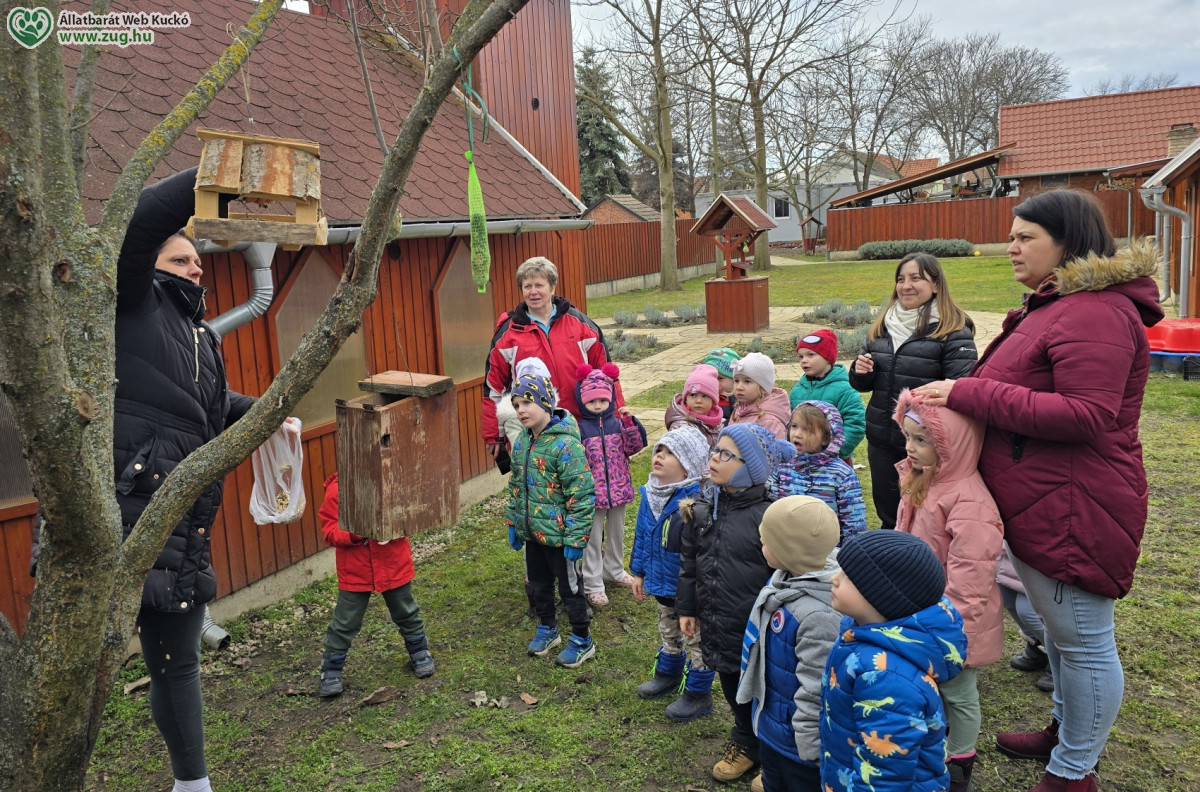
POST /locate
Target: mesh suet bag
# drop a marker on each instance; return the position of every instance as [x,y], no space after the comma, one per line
[481,255]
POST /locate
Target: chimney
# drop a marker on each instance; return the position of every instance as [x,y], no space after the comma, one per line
[1179,137]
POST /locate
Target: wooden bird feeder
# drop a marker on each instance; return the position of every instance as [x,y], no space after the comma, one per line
[735,303]
[398,456]
[263,170]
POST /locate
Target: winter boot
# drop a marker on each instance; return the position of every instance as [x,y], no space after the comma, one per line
[668,673]
[331,674]
[1029,745]
[1032,659]
[1045,682]
[418,653]
[1053,783]
[734,765]
[696,699]
[757,785]
[960,768]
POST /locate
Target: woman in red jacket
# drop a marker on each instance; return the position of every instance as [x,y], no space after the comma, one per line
[1060,391]
[366,565]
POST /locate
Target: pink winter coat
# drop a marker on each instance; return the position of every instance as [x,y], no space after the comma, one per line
[960,521]
[711,425]
[1060,391]
[773,412]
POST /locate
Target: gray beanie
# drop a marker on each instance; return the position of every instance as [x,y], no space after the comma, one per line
[896,572]
[759,368]
[690,447]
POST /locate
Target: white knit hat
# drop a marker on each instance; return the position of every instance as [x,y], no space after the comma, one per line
[689,446]
[759,368]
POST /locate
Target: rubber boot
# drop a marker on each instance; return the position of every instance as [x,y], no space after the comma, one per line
[668,673]
[331,674]
[696,699]
[418,653]
[960,768]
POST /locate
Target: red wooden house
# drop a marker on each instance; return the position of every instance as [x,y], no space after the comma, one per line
[303,81]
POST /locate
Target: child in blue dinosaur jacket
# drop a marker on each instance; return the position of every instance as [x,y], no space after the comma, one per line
[815,429]
[680,460]
[883,727]
[788,637]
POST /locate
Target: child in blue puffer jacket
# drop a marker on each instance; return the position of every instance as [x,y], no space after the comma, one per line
[680,460]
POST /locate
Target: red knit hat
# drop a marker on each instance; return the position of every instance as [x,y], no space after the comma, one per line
[823,342]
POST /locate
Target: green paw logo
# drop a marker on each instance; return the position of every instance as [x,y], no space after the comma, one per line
[30,26]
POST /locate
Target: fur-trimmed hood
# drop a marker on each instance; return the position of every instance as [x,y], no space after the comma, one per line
[1130,271]
[957,438]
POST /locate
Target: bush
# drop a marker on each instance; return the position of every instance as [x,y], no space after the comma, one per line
[943,248]
[625,318]
[686,313]
[653,315]
[648,341]
[860,313]
[701,311]
[851,341]
[755,345]
[827,312]
[623,348]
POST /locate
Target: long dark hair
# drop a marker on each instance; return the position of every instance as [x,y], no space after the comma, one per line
[951,318]
[1073,219]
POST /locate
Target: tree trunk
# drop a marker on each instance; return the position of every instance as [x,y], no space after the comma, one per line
[762,251]
[669,271]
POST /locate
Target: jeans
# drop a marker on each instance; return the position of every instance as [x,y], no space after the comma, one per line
[171,649]
[783,774]
[1088,679]
[1023,614]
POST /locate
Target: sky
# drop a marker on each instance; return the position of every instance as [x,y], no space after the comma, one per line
[1096,39]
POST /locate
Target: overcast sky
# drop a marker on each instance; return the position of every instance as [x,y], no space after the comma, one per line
[1096,39]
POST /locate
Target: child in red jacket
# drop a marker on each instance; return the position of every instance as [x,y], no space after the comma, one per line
[363,566]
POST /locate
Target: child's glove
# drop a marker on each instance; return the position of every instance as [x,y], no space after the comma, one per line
[513,541]
[572,554]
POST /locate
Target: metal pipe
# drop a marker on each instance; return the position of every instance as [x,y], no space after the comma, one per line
[345,235]
[258,256]
[1154,200]
[212,634]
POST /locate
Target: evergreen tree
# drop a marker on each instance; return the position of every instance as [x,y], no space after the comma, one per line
[602,168]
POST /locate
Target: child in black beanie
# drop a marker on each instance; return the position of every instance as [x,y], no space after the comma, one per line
[883,720]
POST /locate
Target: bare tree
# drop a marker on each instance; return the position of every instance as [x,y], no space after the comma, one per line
[1132,82]
[969,79]
[57,361]
[642,45]
[766,43]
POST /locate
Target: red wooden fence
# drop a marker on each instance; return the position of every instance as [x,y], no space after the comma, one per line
[612,251]
[978,220]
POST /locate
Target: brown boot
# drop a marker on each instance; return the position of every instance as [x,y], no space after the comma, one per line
[1029,745]
[735,764]
[1053,783]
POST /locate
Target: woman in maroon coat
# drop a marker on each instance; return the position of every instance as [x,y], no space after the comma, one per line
[1060,391]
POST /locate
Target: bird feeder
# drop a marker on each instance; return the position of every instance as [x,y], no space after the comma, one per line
[398,456]
[263,170]
[735,303]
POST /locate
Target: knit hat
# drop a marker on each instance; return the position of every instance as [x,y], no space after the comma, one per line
[761,450]
[823,342]
[897,573]
[535,388]
[800,531]
[759,368]
[703,379]
[535,365]
[722,359]
[689,446]
[596,383]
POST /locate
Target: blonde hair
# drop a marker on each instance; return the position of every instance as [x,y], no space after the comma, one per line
[915,486]
[810,416]
[535,267]
[951,318]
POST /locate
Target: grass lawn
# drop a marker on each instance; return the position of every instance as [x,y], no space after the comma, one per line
[587,729]
[978,284]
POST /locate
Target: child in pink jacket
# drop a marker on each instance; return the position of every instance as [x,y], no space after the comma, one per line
[945,502]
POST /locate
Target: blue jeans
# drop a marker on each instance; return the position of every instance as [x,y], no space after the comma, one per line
[1088,679]
[784,774]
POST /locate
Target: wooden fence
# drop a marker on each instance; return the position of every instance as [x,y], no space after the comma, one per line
[612,251]
[978,220]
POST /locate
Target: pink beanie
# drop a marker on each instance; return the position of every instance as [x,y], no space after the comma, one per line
[596,383]
[703,379]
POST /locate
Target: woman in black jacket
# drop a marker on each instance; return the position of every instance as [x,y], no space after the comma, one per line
[171,399]
[919,336]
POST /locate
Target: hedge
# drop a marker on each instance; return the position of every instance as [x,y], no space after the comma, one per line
[946,248]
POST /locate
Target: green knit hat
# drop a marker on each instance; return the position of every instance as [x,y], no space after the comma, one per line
[722,360]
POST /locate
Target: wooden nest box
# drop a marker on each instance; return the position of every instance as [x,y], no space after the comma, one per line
[263,170]
[735,303]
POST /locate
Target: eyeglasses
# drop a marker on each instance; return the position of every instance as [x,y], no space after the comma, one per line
[725,455]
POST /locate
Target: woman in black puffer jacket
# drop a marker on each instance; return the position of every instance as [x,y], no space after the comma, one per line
[919,336]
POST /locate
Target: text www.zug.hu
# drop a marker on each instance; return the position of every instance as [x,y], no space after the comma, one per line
[116,38]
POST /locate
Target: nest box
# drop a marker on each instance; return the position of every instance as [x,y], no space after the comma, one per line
[264,170]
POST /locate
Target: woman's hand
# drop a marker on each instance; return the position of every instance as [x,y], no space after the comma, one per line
[687,625]
[936,393]
[863,364]
[639,588]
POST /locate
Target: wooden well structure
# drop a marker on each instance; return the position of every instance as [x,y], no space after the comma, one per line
[735,303]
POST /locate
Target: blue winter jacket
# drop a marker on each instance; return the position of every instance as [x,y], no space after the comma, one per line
[655,554]
[883,728]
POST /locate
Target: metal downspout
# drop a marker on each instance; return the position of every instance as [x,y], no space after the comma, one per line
[1153,199]
[258,256]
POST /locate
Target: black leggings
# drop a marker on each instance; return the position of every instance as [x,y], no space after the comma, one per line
[171,648]
[885,481]
[742,732]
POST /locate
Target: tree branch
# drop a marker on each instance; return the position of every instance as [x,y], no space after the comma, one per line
[81,102]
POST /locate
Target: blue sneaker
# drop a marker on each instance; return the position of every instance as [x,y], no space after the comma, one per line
[578,649]
[545,640]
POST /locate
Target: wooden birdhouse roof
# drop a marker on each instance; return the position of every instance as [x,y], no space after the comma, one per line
[732,213]
[302,81]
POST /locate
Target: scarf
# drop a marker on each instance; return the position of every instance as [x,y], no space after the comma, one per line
[902,324]
[658,495]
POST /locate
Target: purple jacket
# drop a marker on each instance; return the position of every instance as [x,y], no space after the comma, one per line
[609,442]
[1060,391]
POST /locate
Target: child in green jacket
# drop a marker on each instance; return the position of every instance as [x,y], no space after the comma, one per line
[825,380]
[550,506]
